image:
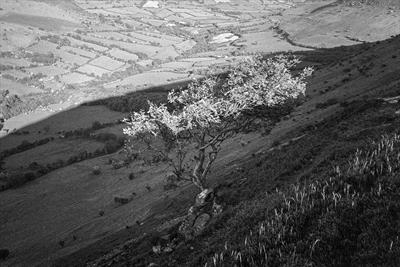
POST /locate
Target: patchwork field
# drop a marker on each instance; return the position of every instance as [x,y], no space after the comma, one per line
[75,78]
[17,88]
[50,71]
[92,70]
[122,55]
[106,63]
[148,79]
[45,23]
[80,45]
[57,55]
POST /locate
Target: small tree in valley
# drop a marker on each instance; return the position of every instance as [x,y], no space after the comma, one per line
[190,131]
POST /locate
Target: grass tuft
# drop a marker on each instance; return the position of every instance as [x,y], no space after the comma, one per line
[348,219]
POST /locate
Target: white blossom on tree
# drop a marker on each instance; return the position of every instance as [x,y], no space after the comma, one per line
[214,109]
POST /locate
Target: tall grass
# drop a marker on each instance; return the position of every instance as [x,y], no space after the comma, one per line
[349,219]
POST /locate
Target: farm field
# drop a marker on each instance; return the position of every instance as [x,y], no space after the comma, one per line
[122,55]
[90,69]
[75,78]
[15,74]
[17,88]
[106,63]
[17,62]
[50,122]
[50,71]
[81,44]
[49,153]
[75,68]
[148,79]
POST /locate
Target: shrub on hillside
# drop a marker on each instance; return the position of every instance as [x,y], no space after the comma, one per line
[29,176]
[96,125]
[25,145]
[7,102]
[112,146]
[103,137]
[96,170]
[202,117]
[133,102]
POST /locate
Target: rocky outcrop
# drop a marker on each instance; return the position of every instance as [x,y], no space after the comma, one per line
[199,215]
[123,199]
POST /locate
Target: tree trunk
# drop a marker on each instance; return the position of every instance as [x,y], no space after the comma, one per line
[197,174]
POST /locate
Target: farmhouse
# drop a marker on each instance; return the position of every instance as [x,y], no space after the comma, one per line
[224,37]
[151,4]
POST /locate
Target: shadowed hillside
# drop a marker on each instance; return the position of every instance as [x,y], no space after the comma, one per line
[71,195]
[345,112]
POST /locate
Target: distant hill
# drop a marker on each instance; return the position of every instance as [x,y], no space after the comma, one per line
[382,3]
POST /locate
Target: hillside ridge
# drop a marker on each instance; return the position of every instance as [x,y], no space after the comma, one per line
[348,119]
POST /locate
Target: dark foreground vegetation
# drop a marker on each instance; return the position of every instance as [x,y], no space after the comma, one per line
[349,218]
[385,3]
[344,209]
[330,198]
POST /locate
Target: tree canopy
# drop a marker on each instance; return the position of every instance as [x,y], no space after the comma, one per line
[201,117]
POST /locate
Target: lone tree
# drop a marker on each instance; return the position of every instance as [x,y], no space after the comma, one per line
[189,131]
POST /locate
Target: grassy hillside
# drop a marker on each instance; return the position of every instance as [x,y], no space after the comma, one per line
[60,157]
[382,3]
[348,218]
[327,184]
[330,198]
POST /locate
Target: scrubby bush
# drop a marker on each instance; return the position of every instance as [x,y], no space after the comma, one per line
[25,145]
[96,170]
[72,160]
[96,125]
[7,102]
[112,146]
[29,176]
[131,176]
[47,59]
[133,102]
[327,103]
[103,137]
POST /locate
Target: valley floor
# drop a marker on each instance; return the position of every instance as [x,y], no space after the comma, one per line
[55,210]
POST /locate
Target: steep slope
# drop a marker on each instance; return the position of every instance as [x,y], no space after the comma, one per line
[323,24]
[89,224]
[344,110]
[381,3]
